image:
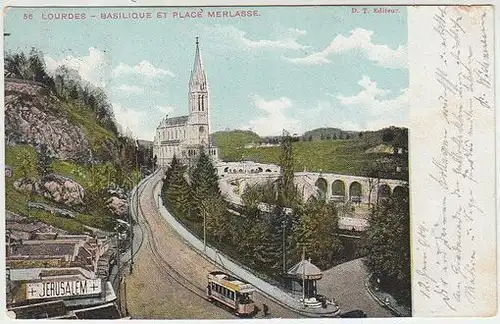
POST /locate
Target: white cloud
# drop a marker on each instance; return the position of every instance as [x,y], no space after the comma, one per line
[236,37]
[126,117]
[359,40]
[91,68]
[275,120]
[376,111]
[133,120]
[129,88]
[142,123]
[144,68]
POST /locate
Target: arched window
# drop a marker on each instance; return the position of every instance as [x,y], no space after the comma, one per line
[322,186]
[338,190]
[384,192]
[355,192]
[400,192]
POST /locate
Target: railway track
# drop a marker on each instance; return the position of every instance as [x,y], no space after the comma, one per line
[124,263]
[160,261]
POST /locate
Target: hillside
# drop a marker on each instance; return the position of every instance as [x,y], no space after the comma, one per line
[70,131]
[355,156]
[328,133]
[68,165]
[230,142]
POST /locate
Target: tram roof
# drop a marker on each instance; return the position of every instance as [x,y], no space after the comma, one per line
[231,282]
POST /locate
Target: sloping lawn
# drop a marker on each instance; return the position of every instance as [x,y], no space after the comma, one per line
[22,160]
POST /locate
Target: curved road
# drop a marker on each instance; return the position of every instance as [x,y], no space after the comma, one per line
[346,283]
[169,278]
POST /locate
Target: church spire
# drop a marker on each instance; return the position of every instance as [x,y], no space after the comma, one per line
[198,80]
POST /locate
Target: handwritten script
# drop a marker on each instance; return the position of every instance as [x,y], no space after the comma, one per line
[447,267]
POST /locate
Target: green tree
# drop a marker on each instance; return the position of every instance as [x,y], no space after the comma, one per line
[267,250]
[25,163]
[204,181]
[260,193]
[44,160]
[170,170]
[287,191]
[217,218]
[388,135]
[316,230]
[178,193]
[247,238]
[388,247]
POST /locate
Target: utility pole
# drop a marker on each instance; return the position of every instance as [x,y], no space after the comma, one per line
[131,220]
[118,264]
[204,228]
[303,276]
[131,233]
[283,227]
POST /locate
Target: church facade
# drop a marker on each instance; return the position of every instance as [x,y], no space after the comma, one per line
[186,136]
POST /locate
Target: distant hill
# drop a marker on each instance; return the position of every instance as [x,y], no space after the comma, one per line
[229,141]
[328,133]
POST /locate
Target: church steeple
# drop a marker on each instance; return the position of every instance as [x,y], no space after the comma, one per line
[198,80]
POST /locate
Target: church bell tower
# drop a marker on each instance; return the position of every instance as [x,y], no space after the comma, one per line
[199,102]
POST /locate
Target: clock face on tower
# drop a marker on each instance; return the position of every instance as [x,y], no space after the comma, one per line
[201,129]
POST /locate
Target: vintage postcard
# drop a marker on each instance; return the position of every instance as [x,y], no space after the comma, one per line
[225,162]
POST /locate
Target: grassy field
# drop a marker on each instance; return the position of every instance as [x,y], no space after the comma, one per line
[21,157]
[79,115]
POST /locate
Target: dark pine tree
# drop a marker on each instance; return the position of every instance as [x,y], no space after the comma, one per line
[287,192]
[170,170]
[178,193]
[204,181]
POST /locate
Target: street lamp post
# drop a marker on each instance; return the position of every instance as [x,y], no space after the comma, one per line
[204,212]
[131,233]
[204,230]
[303,277]
[283,227]
[118,263]
[131,220]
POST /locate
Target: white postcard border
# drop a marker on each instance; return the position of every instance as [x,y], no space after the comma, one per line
[414,156]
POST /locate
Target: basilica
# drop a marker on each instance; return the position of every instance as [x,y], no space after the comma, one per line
[186,136]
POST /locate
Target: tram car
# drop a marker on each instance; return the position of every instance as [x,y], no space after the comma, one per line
[231,292]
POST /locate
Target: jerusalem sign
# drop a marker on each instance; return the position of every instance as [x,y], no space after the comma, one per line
[54,289]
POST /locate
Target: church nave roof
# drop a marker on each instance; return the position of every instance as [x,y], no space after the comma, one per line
[180,120]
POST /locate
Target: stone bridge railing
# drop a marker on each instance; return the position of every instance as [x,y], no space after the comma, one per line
[337,187]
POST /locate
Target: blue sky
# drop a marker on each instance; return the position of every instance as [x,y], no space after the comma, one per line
[293,68]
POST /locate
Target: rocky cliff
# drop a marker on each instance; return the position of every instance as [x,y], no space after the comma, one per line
[31,116]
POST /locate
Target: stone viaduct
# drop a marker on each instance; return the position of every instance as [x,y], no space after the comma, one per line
[336,187]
